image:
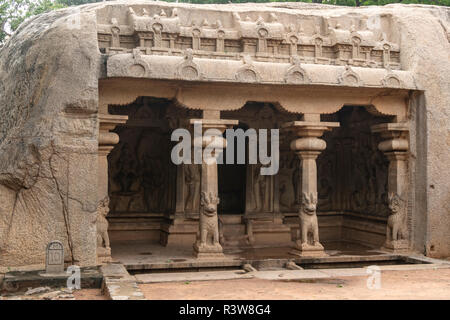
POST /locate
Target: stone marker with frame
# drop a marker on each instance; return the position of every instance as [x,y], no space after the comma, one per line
[54,262]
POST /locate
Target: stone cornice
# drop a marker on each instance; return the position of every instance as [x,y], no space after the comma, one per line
[245,70]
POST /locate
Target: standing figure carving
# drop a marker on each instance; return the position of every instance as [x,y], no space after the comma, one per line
[260,190]
[126,175]
[257,181]
[103,244]
[192,178]
[209,230]
[153,183]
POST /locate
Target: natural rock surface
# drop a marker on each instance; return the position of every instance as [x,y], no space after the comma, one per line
[49,74]
[48,104]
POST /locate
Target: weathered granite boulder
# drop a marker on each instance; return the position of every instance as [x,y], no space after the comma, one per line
[48,139]
[49,73]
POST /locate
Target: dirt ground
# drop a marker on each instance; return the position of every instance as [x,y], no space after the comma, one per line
[420,284]
[89,294]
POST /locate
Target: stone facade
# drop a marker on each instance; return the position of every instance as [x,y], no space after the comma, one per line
[90,95]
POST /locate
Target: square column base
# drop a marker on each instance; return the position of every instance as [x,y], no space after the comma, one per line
[208,251]
[103,255]
[307,250]
[396,246]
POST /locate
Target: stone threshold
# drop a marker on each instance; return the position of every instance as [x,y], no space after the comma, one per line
[118,284]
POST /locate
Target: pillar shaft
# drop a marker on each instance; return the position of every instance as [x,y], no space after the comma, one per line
[207,244]
[308,147]
[106,142]
[398,172]
[309,171]
[395,147]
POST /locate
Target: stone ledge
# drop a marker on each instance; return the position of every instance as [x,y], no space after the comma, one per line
[19,281]
[118,284]
[165,67]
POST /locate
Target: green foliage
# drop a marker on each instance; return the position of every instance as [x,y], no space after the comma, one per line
[76,2]
[351,3]
[14,12]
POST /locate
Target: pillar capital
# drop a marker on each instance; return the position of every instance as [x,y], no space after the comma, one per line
[110,122]
[394,135]
[395,147]
[106,139]
[308,145]
[310,128]
[218,124]
[390,129]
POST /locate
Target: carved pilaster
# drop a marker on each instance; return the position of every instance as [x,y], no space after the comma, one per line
[395,146]
[208,238]
[308,146]
[106,142]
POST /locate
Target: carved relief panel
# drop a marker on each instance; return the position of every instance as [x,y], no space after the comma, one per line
[269,194]
[352,172]
[141,175]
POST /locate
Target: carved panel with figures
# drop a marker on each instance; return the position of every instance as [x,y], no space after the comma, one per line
[352,172]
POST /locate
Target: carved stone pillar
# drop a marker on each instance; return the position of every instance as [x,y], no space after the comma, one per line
[308,146]
[395,146]
[106,142]
[208,238]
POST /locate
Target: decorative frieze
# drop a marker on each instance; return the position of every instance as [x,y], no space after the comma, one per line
[263,37]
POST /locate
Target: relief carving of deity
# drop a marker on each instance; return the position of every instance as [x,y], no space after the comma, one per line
[192,177]
[260,191]
[153,183]
[126,174]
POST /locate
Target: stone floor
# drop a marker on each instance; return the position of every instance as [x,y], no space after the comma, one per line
[133,253]
[44,293]
[400,284]
[416,277]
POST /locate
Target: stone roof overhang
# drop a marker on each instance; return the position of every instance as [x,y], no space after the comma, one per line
[214,84]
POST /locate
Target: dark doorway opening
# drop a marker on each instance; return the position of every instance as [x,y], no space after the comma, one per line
[232,183]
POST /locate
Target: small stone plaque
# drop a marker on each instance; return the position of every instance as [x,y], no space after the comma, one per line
[55,258]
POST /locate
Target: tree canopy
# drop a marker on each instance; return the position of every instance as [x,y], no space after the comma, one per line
[14,12]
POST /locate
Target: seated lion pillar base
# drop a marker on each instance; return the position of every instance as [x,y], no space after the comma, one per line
[208,251]
[396,246]
[103,255]
[308,250]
